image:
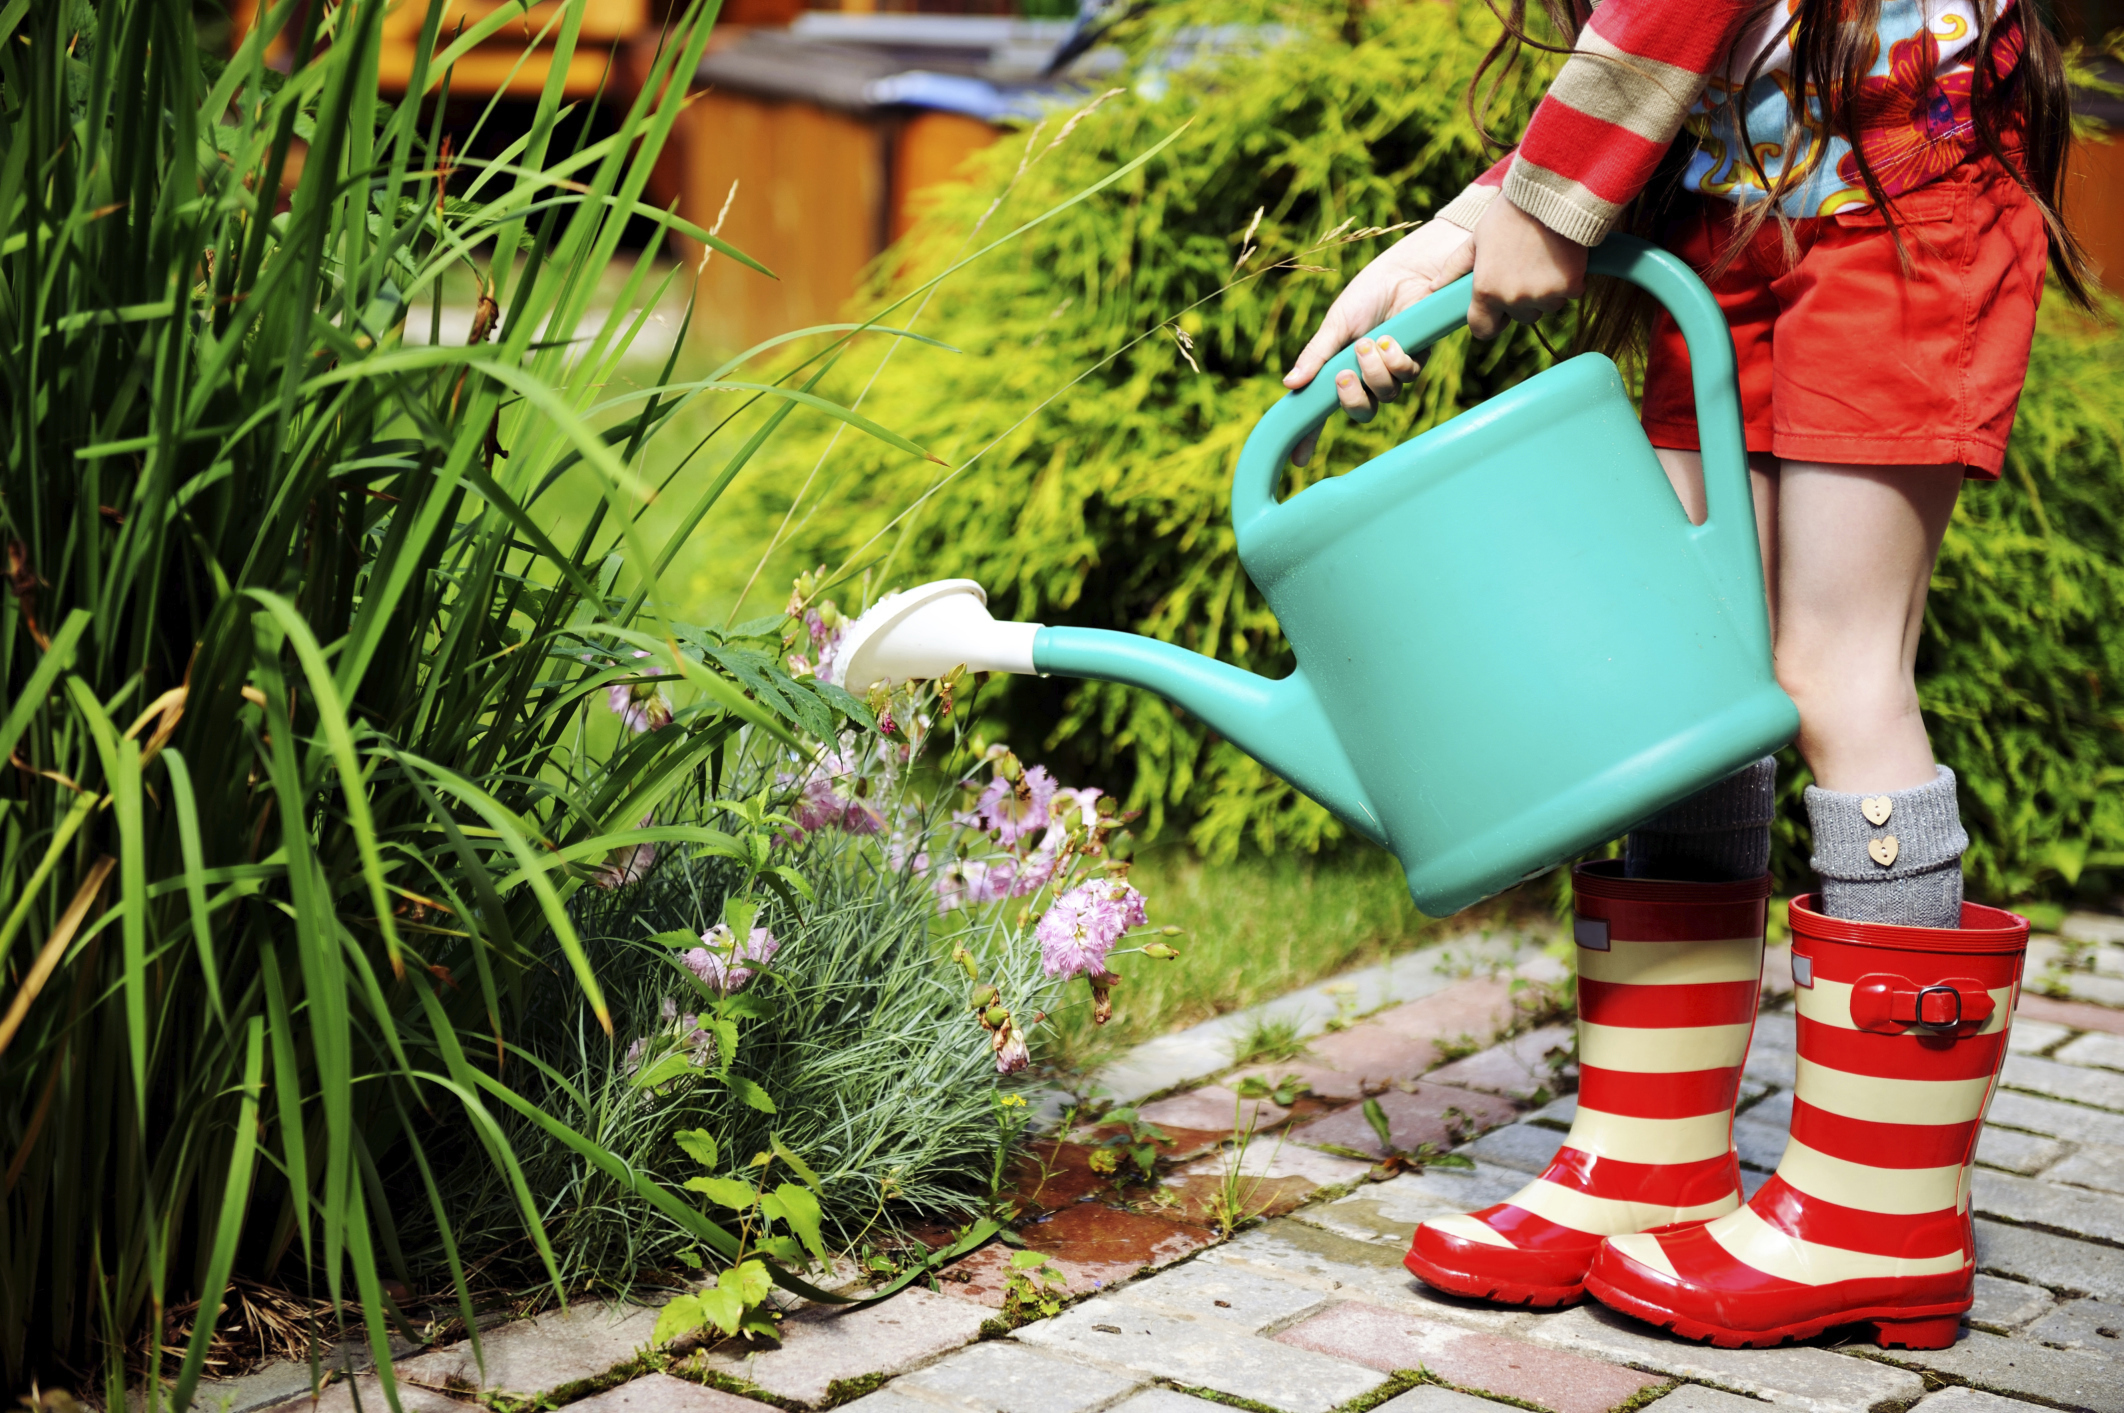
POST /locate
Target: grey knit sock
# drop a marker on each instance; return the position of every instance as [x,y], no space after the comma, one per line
[1720,834]
[1905,869]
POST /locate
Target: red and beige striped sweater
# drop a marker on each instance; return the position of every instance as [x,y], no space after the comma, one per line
[1642,68]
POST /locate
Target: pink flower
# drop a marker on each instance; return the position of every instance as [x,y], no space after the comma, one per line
[901,855]
[969,883]
[629,865]
[642,705]
[827,644]
[1081,928]
[717,962]
[1010,815]
[828,800]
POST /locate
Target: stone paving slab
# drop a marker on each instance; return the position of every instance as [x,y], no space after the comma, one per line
[1389,1212]
[2100,1051]
[1005,1376]
[1245,1298]
[1430,1398]
[2046,1204]
[1801,1376]
[2074,1083]
[2096,1165]
[1202,1353]
[2080,1015]
[1695,1398]
[2094,1325]
[661,1393]
[1165,1400]
[1522,1146]
[823,1346]
[1204,1050]
[1426,1112]
[1521,1068]
[2053,1119]
[1349,1269]
[2065,1378]
[1761,1145]
[2059,1262]
[533,1358]
[2002,1304]
[1969,1400]
[2016,1152]
[1394,1339]
[1212,1109]
[2033,1037]
[363,1394]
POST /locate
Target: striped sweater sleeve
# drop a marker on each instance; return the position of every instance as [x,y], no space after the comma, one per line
[1616,104]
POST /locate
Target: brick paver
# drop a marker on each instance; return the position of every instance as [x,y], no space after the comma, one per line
[1006,1376]
[1201,1353]
[1305,1312]
[1394,1339]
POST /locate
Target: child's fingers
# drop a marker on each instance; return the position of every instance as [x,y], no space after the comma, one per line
[1331,338]
[1398,361]
[1350,392]
[1372,369]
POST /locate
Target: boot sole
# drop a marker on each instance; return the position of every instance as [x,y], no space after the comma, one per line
[1482,1288]
[1894,1327]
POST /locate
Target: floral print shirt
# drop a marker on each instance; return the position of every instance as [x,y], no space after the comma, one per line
[1912,114]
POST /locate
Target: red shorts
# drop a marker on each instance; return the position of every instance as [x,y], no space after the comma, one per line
[1845,355]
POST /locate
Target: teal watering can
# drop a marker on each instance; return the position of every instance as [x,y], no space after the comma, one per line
[1512,644]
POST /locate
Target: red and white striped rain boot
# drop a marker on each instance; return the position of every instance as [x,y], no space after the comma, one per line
[1669,976]
[1901,1034]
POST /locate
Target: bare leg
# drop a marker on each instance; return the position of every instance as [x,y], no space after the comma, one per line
[1856,546]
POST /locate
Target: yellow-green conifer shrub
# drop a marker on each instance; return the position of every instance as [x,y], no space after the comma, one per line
[1108,505]
[1098,492]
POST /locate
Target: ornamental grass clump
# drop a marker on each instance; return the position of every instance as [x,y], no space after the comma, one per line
[864,1039]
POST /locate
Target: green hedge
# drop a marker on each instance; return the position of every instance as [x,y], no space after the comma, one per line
[1102,497]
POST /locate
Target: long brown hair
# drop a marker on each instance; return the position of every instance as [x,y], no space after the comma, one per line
[2020,110]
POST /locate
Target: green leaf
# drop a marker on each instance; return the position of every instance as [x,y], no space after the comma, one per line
[748,1280]
[783,1248]
[722,1308]
[698,1145]
[795,1207]
[796,1165]
[663,1071]
[724,1192]
[738,914]
[1026,1260]
[690,1258]
[681,1316]
[677,941]
[751,1093]
[1376,1117]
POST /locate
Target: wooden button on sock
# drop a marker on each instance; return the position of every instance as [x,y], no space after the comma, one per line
[1893,857]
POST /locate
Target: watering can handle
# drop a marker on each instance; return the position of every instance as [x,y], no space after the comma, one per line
[1666,278]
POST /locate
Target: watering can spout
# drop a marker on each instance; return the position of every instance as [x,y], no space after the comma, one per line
[927,631]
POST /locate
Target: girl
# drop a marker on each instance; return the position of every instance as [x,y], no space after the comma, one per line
[1871,190]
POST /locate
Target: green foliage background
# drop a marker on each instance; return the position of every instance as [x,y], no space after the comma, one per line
[1109,507]
[1100,459]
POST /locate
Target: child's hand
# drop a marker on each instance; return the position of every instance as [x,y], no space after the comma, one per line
[1523,270]
[1434,254]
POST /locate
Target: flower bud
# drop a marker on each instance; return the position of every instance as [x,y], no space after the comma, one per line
[1160,952]
[996,1017]
[984,997]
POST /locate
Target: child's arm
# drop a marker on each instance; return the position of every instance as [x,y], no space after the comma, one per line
[1591,145]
